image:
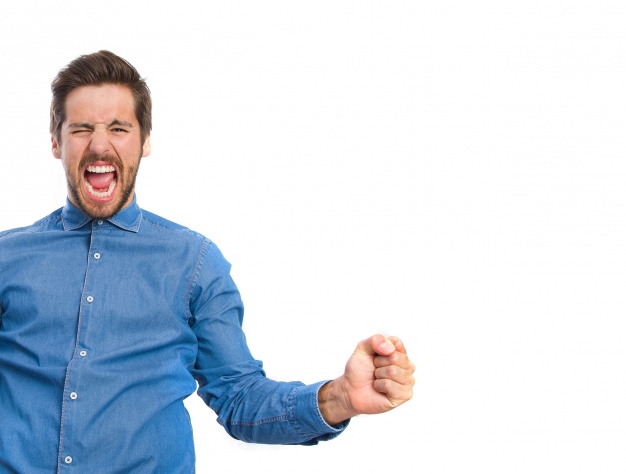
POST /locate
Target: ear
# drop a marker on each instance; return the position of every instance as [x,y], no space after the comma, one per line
[146,149]
[56,148]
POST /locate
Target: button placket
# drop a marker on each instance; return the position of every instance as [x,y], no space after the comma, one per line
[71,404]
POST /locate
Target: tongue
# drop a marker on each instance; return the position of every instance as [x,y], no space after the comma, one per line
[100,180]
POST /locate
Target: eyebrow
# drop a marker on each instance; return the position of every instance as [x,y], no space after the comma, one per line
[91,126]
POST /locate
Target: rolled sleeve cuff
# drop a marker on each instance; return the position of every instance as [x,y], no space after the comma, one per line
[305,416]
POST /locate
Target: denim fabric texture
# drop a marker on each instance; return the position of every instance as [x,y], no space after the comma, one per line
[105,327]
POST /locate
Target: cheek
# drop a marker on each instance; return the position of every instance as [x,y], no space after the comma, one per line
[70,157]
[70,151]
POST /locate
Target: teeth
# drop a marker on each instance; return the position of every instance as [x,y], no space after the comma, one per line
[100,169]
[104,194]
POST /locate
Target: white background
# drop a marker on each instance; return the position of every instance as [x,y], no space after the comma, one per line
[450,172]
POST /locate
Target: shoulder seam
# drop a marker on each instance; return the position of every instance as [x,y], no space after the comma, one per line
[34,227]
[180,228]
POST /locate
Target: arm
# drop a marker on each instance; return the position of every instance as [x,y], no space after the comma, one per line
[250,406]
[378,377]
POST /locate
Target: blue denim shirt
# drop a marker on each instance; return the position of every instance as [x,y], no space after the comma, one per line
[105,327]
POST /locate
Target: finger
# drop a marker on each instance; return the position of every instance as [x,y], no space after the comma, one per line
[397,358]
[397,342]
[396,374]
[396,393]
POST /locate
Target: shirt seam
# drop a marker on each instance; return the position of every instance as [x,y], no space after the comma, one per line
[194,277]
[33,228]
[263,421]
[179,229]
[291,407]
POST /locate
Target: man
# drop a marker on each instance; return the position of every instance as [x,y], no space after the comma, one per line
[110,315]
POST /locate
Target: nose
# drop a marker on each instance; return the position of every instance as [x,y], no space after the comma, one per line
[99,143]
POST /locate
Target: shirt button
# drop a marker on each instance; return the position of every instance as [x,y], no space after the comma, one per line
[100,222]
[73,395]
[83,353]
[90,299]
[96,255]
[68,459]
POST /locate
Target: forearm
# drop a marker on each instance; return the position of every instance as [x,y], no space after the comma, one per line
[260,410]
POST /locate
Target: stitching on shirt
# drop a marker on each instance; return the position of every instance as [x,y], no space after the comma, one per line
[290,410]
[318,413]
[131,228]
[194,278]
[179,228]
[154,224]
[67,226]
[263,421]
[42,223]
[196,271]
[35,227]
[69,365]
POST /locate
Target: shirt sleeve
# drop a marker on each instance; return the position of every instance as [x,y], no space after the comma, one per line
[250,406]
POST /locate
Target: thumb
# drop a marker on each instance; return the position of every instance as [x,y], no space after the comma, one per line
[376,345]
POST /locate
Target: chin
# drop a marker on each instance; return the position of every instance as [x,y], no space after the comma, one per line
[100,210]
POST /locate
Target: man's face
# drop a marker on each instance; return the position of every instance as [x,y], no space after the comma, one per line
[100,147]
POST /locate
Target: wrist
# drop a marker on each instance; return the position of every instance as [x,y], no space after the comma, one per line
[333,402]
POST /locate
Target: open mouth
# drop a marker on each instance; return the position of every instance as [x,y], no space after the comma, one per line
[100,181]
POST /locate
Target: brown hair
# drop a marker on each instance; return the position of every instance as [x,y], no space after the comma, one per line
[96,69]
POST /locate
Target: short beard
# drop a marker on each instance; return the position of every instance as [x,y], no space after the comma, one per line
[126,191]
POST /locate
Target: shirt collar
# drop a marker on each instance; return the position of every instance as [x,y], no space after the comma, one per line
[128,218]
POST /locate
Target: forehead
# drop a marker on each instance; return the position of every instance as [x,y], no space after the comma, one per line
[100,104]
